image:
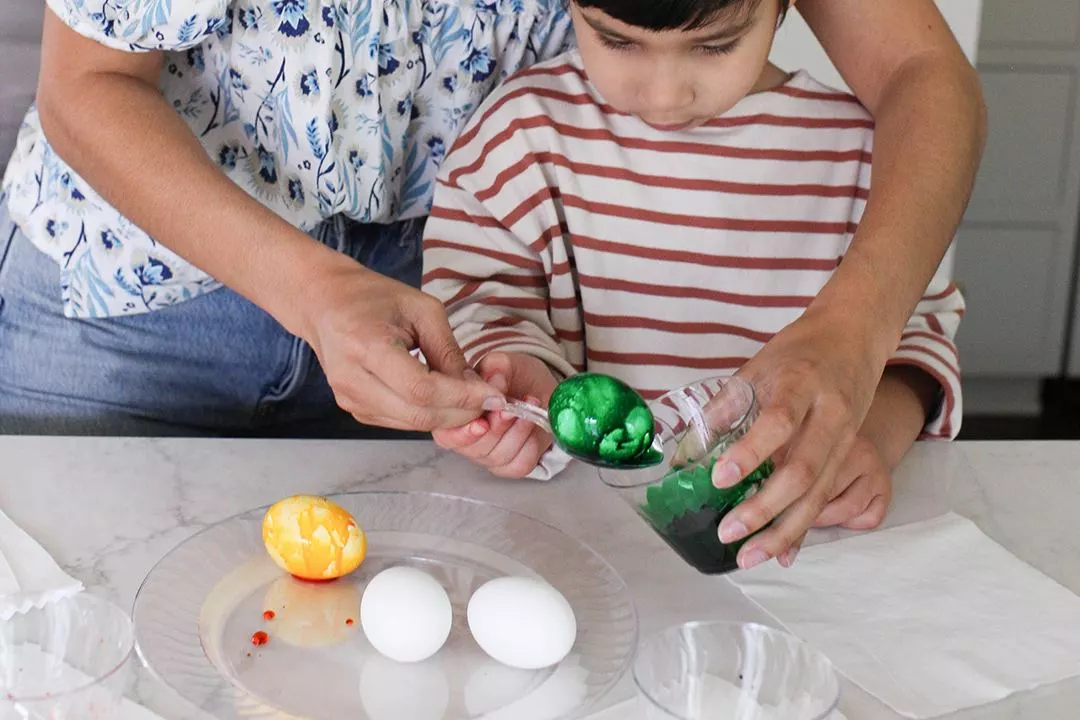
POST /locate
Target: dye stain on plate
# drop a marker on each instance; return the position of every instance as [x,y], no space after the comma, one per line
[686,509]
[596,416]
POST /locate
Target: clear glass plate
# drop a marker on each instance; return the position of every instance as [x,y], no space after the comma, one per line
[197,610]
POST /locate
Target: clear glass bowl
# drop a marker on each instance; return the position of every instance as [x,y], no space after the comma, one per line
[199,607]
[733,671]
[65,661]
[696,423]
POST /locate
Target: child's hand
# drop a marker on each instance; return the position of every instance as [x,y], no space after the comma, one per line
[862,492]
[504,444]
[861,495]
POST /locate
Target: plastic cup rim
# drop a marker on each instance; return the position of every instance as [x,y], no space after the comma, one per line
[735,426]
[97,678]
[704,624]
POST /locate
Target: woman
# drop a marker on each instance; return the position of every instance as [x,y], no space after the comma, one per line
[271,145]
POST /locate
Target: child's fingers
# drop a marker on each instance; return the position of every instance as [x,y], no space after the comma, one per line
[461,437]
[496,364]
[511,443]
[849,504]
[479,449]
[538,443]
[872,516]
[496,426]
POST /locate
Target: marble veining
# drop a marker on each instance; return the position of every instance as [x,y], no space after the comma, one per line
[109,508]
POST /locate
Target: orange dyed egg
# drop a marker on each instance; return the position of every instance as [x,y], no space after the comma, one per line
[313,538]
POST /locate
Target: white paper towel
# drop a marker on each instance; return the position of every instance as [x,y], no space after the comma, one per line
[29,577]
[931,617]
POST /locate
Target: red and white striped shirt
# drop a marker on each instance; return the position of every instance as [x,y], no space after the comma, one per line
[565,229]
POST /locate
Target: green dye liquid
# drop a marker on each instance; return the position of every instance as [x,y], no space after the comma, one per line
[600,417]
[686,509]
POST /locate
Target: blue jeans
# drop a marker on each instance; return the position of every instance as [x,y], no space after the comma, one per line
[214,365]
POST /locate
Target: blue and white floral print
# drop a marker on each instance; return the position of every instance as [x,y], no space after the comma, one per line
[315,107]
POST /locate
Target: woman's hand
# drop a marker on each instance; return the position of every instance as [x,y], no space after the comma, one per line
[507,446]
[362,326]
[819,382]
[815,381]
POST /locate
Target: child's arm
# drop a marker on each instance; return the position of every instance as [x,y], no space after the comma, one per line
[490,249]
[496,296]
[493,284]
[905,397]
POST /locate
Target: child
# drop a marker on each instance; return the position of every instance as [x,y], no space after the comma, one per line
[656,206]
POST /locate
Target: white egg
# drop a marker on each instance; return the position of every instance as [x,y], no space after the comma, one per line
[522,622]
[406,614]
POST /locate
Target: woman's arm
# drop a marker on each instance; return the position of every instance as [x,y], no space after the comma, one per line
[901,60]
[817,378]
[102,112]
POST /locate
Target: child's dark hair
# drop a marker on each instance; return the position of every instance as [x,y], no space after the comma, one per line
[658,15]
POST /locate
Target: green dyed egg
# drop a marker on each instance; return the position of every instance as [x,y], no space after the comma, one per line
[598,416]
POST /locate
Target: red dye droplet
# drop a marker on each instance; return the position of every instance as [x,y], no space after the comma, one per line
[260,638]
[349,621]
[269,615]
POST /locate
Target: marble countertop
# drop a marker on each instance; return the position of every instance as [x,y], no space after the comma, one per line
[109,508]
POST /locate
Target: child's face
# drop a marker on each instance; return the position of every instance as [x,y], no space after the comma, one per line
[676,79]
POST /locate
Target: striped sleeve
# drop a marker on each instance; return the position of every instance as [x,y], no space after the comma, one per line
[493,284]
[928,343]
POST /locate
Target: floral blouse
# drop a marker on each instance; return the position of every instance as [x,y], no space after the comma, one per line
[315,107]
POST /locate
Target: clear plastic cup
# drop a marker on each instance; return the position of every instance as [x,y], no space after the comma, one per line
[733,671]
[696,423]
[66,661]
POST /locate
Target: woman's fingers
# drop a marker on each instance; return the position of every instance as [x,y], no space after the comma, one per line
[773,429]
[796,492]
[427,399]
[372,402]
[805,492]
[434,337]
[787,558]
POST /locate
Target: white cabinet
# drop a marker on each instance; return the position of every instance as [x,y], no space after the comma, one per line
[1017,249]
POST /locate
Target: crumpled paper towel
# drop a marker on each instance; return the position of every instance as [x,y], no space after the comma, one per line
[930,617]
[29,577]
